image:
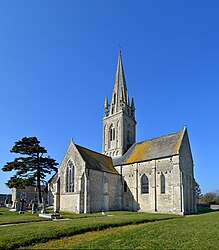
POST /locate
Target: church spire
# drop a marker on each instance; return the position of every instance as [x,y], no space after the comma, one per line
[119,123]
[120,98]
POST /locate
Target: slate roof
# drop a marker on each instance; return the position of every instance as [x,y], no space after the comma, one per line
[155,148]
[96,160]
[54,178]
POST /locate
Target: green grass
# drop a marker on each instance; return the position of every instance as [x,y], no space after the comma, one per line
[8,217]
[14,236]
[192,232]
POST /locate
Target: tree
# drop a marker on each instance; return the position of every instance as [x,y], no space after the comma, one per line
[31,167]
[198,191]
[210,198]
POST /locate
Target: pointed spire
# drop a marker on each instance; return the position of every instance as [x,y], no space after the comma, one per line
[133,108]
[120,97]
[106,110]
[120,76]
[106,102]
[127,94]
[133,104]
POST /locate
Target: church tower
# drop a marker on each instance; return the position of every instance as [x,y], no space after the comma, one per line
[119,125]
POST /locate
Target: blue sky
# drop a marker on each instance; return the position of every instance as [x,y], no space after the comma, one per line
[58,62]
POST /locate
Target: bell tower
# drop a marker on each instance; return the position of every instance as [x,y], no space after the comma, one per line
[119,125]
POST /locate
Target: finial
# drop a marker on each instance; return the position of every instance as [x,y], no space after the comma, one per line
[72,140]
[133,104]
[106,110]
[106,102]
[120,48]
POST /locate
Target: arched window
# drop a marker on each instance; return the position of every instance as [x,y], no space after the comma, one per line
[144,184]
[111,136]
[162,184]
[112,109]
[70,177]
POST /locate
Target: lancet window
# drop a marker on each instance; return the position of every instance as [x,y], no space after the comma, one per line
[144,184]
[112,133]
[162,184]
[70,177]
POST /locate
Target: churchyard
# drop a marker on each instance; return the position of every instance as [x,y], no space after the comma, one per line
[112,230]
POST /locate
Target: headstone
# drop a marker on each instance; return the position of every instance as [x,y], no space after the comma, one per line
[6,202]
[22,207]
[43,211]
[34,207]
[17,205]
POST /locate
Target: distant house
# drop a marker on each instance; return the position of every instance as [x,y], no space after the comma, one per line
[28,194]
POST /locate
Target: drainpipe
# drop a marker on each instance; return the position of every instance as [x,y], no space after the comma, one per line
[136,186]
[182,192]
[155,184]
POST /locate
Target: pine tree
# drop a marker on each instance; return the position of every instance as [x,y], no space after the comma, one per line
[198,191]
[31,167]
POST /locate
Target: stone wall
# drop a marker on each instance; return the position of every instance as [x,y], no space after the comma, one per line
[188,181]
[69,201]
[104,191]
[154,201]
[125,133]
[28,194]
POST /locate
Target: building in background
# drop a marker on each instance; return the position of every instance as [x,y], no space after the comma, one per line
[28,194]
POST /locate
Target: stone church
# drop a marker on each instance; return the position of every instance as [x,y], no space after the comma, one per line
[155,175]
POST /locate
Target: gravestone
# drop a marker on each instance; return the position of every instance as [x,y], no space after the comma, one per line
[17,205]
[43,210]
[22,206]
[34,207]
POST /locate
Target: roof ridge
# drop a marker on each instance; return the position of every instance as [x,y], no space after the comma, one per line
[153,138]
[92,151]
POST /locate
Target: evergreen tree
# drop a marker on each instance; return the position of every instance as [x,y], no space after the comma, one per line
[31,167]
[198,191]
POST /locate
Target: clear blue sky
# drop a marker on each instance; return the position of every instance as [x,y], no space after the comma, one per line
[58,62]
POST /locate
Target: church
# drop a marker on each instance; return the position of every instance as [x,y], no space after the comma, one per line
[155,175]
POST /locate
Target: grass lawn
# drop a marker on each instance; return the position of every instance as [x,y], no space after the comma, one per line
[14,236]
[192,232]
[7,217]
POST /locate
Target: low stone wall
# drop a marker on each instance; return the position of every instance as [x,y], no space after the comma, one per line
[214,207]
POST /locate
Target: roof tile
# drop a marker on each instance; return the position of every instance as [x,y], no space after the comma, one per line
[96,160]
[158,147]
